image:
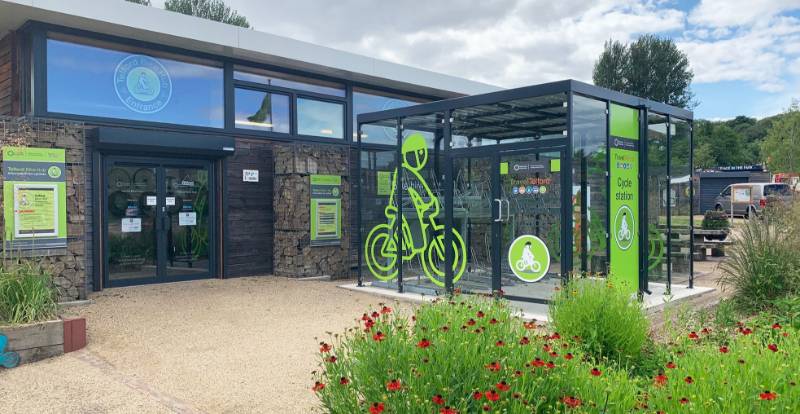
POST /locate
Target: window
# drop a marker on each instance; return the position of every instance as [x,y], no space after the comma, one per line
[269,78]
[320,118]
[262,111]
[726,192]
[365,101]
[777,190]
[112,81]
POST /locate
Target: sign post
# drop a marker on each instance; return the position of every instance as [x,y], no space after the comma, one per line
[326,210]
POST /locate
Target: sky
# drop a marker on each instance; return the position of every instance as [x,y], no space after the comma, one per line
[745,54]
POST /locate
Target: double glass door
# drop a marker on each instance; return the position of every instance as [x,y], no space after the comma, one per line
[508,207]
[157,221]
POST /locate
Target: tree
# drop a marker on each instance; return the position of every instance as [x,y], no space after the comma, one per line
[215,10]
[651,67]
[781,147]
[142,2]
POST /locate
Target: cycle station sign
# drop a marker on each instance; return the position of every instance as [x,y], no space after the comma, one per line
[529,258]
[35,198]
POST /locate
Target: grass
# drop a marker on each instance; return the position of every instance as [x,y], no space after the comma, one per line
[27,293]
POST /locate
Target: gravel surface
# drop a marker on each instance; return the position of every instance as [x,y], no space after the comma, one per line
[212,346]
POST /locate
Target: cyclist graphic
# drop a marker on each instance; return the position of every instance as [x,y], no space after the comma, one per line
[528,262]
[423,238]
[624,232]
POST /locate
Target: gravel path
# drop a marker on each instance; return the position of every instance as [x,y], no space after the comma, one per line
[211,346]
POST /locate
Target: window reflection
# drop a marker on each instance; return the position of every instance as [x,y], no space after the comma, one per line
[270,78]
[365,101]
[320,118]
[262,111]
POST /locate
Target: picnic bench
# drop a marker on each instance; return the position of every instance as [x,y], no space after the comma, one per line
[714,240]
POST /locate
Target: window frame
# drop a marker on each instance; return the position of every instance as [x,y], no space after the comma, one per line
[254,130]
[315,97]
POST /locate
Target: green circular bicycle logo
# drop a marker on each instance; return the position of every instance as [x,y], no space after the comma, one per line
[54,172]
[623,227]
[529,258]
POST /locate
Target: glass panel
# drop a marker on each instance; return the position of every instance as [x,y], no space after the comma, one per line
[270,78]
[319,118]
[262,111]
[589,190]
[365,101]
[93,81]
[472,218]
[530,185]
[131,223]
[188,212]
[657,197]
[379,215]
[680,202]
[528,119]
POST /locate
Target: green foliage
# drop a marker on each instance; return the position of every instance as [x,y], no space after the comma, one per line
[781,148]
[27,293]
[609,322]
[715,220]
[215,10]
[651,67]
[764,261]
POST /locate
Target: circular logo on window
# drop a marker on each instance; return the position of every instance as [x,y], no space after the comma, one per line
[529,258]
[624,227]
[54,172]
[142,84]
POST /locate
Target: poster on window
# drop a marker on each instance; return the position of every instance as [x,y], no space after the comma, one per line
[326,210]
[34,198]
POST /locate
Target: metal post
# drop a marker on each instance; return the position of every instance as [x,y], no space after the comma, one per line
[399,202]
[448,206]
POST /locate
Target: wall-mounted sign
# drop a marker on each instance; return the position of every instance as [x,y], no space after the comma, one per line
[529,258]
[624,185]
[131,225]
[384,187]
[250,176]
[152,200]
[326,210]
[187,218]
[35,198]
[170,201]
[142,84]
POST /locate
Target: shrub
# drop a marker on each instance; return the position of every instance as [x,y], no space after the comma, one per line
[715,220]
[27,293]
[764,262]
[610,323]
[466,355]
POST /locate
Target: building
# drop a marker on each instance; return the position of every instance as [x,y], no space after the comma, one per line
[190,149]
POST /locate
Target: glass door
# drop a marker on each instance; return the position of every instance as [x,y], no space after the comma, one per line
[158,221]
[530,224]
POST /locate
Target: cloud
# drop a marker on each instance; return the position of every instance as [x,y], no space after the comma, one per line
[726,13]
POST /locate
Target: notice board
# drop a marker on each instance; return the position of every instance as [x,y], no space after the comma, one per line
[326,210]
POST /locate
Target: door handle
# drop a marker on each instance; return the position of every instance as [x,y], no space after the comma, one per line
[499,210]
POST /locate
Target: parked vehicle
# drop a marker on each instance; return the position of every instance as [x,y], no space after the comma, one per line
[750,199]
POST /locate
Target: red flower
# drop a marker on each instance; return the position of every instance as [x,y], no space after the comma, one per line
[671,365]
[705,331]
[318,386]
[386,310]
[571,402]
[776,326]
[684,400]
[596,372]
[375,315]
[323,347]
[550,365]
[344,381]
[471,322]
[537,362]
[555,335]
[660,380]
[424,343]
[331,359]
[524,341]
[486,407]
[502,386]
[554,354]
[447,410]
[568,355]
[376,408]
[493,321]
[480,314]
[529,325]
[768,396]
[437,399]
[394,385]
[745,331]
[494,366]
[517,373]
[546,347]
[379,336]
[693,335]
[492,395]
[477,395]
[688,380]
[723,349]
[773,347]
[499,343]
[369,323]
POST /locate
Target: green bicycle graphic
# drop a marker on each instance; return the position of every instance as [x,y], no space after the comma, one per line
[381,244]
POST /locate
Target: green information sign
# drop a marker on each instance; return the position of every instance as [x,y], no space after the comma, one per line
[326,210]
[624,183]
[384,183]
[34,198]
[529,258]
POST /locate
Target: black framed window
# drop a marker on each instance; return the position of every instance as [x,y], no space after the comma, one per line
[262,111]
[366,100]
[105,80]
[320,118]
[283,80]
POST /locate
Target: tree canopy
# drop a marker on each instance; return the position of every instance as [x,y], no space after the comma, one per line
[651,67]
[215,10]
[781,147]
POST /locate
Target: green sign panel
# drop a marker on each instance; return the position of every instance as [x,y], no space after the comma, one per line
[624,183]
[529,258]
[326,210]
[384,183]
[34,198]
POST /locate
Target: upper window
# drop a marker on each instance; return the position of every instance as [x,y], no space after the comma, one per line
[132,84]
[262,111]
[283,80]
[365,101]
[320,118]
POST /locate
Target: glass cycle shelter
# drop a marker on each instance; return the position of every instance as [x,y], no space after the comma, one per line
[514,190]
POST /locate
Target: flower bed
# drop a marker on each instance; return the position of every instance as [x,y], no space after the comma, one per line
[471,355]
